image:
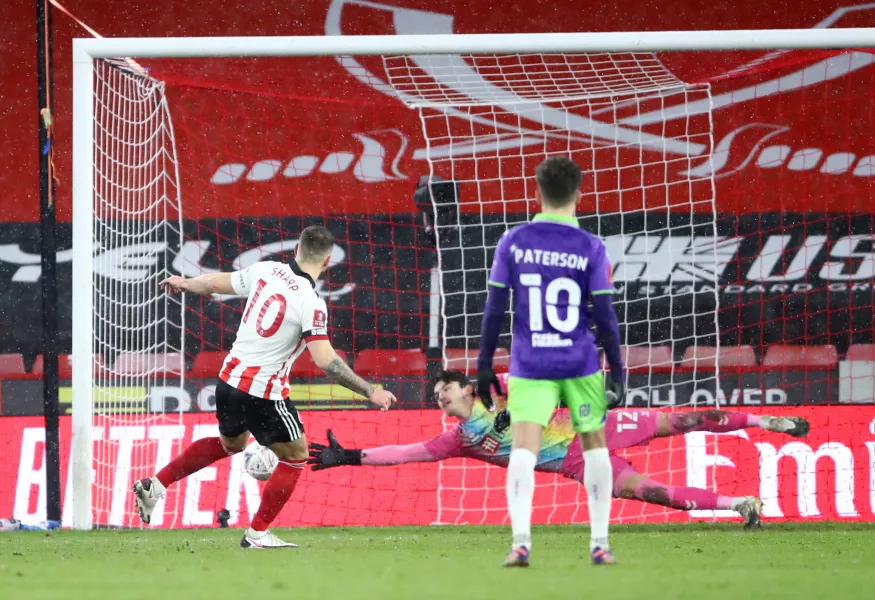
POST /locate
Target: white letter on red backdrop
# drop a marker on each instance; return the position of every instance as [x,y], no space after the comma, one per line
[30,475]
[806,477]
[250,488]
[191,512]
[167,437]
[698,461]
[121,481]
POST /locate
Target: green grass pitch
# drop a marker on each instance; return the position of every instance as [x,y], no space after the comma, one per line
[713,562]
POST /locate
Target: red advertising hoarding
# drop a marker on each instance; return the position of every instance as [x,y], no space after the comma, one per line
[826,476]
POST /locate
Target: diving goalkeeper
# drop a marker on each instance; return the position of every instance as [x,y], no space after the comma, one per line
[483,435]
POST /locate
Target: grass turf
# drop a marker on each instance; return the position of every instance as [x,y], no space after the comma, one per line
[716,562]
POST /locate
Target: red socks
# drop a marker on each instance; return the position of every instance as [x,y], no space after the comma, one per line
[198,455]
[278,490]
[205,452]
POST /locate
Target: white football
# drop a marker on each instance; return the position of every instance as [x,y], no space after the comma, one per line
[258,461]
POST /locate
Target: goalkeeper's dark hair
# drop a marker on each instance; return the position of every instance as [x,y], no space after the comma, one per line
[558,181]
[315,243]
[446,377]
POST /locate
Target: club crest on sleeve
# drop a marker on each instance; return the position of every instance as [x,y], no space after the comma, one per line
[490,444]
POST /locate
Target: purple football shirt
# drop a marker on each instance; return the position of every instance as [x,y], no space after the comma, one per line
[553,267]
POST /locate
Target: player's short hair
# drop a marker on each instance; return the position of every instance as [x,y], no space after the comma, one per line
[446,377]
[558,181]
[315,243]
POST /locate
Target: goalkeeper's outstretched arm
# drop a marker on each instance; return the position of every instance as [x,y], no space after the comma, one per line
[335,455]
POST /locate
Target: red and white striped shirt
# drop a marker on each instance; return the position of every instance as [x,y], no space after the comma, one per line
[283,312]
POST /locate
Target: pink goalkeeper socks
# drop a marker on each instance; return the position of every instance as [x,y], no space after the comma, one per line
[715,421]
[682,498]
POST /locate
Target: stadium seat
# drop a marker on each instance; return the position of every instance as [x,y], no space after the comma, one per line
[207,365]
[65,366]
[460,359]
[12,365]
[706,358]
[861,353]
[390,362]
[147,365]
[801,357]
[647,358]
[305,367]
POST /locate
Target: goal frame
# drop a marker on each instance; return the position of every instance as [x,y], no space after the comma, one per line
[86,50]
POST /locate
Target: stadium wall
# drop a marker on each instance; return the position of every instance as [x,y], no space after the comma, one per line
[783,277]
[797,117]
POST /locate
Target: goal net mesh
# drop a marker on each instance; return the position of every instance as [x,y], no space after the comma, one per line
[137,226]
[488,122]
[258,149]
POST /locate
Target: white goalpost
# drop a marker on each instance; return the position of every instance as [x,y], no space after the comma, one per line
[491,108]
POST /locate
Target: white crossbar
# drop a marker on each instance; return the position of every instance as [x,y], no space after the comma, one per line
[516,43]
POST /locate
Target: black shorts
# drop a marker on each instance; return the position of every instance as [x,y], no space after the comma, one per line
[270,421]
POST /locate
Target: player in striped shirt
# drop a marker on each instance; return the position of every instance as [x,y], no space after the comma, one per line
[282,316]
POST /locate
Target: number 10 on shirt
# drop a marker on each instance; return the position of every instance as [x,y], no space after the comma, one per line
[278,299]
[549,300]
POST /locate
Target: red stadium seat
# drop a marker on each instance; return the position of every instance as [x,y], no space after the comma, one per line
[207,365]
[390,362]
[12,365]
[305,367]
[706,358]
[460,359]
[65,366]
[147,365]
[647,358]
[801,357]
[861,353]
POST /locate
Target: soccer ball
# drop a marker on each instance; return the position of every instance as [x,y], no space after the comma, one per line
[258,461]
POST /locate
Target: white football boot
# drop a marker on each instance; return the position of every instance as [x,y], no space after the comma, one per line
[263,540]
[751,508]
[148,492]
[795,426]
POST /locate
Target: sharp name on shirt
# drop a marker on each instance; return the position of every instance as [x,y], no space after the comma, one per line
[548,258]
[286,277]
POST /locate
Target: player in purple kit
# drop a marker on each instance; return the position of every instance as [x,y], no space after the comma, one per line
[554,268]
[481,434]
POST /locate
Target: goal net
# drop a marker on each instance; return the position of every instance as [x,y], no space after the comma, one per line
[259,148]
[488,122]
[138,342]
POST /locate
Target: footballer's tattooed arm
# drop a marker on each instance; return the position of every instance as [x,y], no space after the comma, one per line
[339,372]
